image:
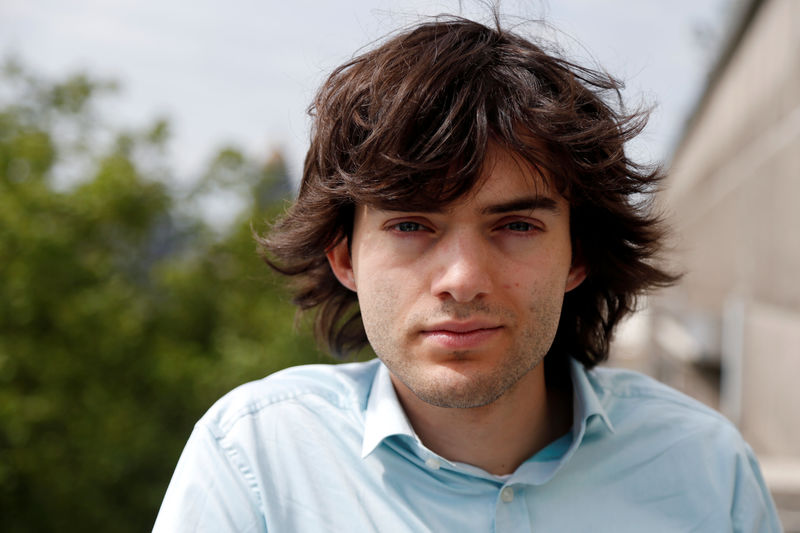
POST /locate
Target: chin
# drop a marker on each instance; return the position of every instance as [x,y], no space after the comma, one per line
[458,400]
[452,387]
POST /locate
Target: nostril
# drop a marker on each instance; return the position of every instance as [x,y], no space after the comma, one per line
[462,281]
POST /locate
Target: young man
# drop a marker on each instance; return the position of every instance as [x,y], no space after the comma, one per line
[467,209]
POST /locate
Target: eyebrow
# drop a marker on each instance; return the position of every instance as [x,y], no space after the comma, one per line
[528,203]
[522,204]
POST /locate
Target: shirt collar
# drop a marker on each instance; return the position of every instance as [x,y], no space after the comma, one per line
[543,466]
[385,417]
[585,401]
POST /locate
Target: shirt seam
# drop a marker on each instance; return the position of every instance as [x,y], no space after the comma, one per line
[697,409]
[644,393]
[253,408]
[239,467]
[221,432]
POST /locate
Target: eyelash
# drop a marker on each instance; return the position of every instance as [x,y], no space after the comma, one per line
[528,226]
[398,227]
[516,226]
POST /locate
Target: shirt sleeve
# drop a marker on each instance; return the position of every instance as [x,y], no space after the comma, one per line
[753,510]
[210,491]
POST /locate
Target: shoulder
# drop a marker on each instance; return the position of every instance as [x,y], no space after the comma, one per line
[671,451]
[654,418]
[620,389]
[340,388]
[647,411]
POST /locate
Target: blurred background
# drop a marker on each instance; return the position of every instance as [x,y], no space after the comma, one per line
[729,332]
[142,142]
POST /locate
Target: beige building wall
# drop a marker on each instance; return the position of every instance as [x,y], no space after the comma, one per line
[733,197]
[729,333]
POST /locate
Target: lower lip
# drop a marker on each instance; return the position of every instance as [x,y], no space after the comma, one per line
[466,340]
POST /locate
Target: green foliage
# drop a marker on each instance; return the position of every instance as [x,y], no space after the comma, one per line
[120,320]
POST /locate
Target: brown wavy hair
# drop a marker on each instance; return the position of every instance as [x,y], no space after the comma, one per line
[408,125]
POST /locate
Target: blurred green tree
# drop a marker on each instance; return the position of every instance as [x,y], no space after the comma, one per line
[122,318]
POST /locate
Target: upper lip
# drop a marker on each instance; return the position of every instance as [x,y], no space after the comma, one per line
[457,326]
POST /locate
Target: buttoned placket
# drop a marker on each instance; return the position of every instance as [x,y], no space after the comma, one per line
[433,463]
[511,512]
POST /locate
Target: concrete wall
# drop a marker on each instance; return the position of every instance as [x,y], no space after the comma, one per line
[733,198]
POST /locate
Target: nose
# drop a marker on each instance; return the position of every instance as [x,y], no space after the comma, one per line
[463,268]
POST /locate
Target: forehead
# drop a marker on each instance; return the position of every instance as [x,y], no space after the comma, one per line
[505,178]
[500,171]
[507,173]
[507,185]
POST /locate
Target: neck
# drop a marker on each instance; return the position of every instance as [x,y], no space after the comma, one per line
[497,437]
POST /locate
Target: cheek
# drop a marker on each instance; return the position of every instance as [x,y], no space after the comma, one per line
[537,290]
[378,302]
[547,272]
[381,316]
[536,274]
[542,315]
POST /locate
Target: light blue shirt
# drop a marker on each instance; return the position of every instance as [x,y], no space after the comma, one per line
[328,448]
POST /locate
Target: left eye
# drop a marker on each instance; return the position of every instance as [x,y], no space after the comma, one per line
[519,226]
[407,227]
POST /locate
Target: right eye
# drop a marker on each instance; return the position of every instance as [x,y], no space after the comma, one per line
[407,227]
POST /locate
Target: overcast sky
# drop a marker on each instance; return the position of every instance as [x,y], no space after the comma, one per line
[242,72]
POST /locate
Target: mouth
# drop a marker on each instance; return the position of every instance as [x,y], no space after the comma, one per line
[461,335]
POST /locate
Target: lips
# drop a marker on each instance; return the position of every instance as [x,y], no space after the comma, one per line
[467,335]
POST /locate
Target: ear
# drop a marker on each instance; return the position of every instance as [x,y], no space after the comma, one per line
[577,273]
[342,264]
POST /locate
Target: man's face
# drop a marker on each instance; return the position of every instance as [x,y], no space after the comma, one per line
[461,304]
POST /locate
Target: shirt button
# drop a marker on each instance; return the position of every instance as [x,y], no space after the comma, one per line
[507,494]
[432,463]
